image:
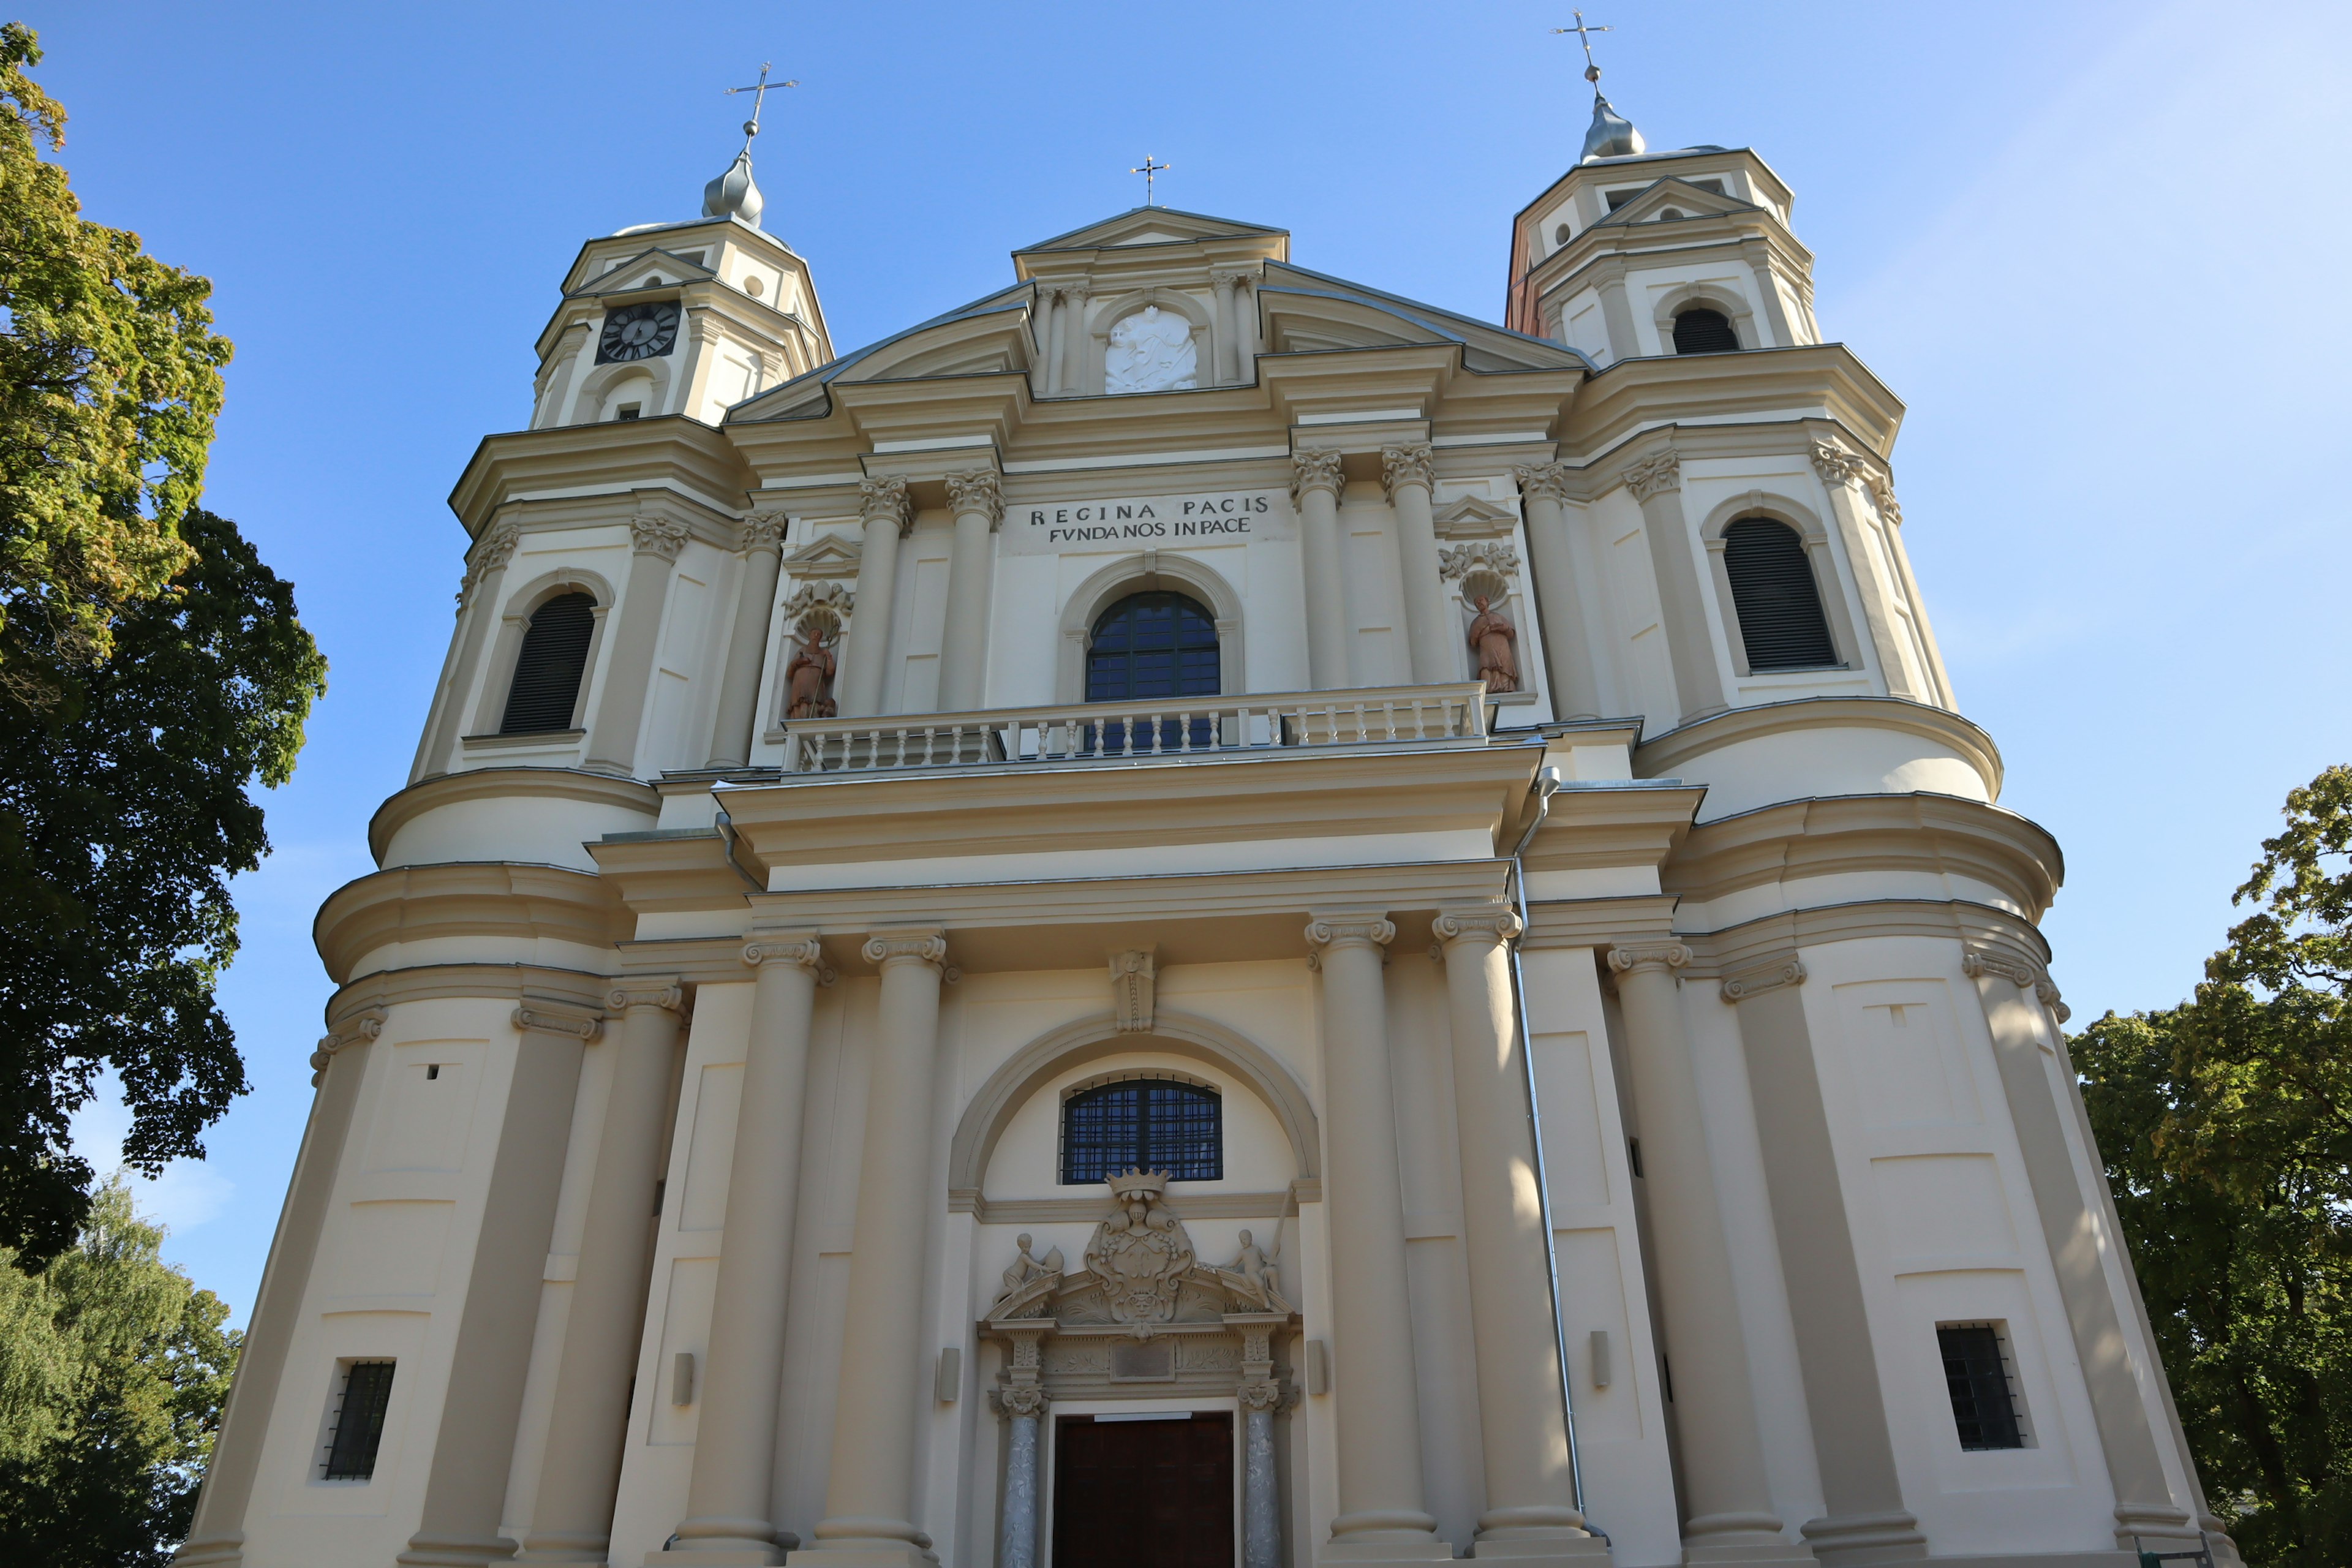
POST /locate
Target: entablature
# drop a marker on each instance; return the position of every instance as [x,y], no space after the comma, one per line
[672,453]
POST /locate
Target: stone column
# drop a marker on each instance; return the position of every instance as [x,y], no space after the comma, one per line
[728,1500]
[1531,1511]
[1431,631]
[480,593]
[747,646]
[1025,1416]
[1862,1489]
[1261,1395]
[1727,1498]
[883,1368]
[978,500]
[866,659]
[1657,482]
[1315,485]
[473,1448]
[1566,645]
[573,1520]
[1075,342]
[612,736]
[1382,1514]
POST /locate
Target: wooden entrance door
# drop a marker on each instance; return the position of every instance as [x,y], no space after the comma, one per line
[1144,1494]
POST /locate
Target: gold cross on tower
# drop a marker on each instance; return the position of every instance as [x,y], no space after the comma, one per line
[759,91]
[1584,36]
[1147,170]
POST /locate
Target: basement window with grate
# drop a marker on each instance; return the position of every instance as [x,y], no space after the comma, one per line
[1699,330]
[1984,1393]
[358,1430]
[554,656]
[1143,1123]
[1774,595]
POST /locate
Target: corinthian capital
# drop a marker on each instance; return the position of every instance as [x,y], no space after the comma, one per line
[884,501]
[1227,277]
[982,491]
[1542,481]
[491,553]
[764,531]
[1404,465]
[1630,956]
[1486,923]
[1834,463]
[1357,931]
[1659,471]
[1316,471]
[927,946]
[650,535]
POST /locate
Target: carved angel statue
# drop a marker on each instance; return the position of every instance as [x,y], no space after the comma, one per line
[1150,351]
[808,679]
[1496,641]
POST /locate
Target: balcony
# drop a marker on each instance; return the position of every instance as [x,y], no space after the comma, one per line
[1170,729]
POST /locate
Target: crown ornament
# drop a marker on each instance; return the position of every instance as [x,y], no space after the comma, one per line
[1133,1182]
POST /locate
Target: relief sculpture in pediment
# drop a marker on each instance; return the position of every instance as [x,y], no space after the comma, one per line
[1150,351]
[1140,1269]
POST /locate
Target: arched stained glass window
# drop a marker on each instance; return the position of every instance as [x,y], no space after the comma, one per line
[1143,1123]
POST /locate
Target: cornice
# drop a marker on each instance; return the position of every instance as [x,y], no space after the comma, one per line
[1607,246]
[693,461]
[1599,923]
[576,992]
[1595,827]
[505,784]
[488,900]
[1693,391]
[1667,754]
[1735,950]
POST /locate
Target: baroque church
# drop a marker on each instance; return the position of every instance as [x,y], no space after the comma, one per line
[1196,914]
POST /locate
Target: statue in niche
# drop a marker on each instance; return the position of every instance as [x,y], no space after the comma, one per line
[1150,351]
[1495,642]
[808,678]
[1140,1252]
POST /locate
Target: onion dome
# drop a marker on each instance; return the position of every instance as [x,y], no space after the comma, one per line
[732,193]
[1612,136]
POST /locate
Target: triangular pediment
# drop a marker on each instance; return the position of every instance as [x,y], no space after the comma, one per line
[639,271]
[1473,517]
[1673,198]
[828,556]
[1156,226]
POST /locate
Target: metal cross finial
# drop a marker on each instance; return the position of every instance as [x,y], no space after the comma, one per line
[759,91]
[1147,170]
[1584,36]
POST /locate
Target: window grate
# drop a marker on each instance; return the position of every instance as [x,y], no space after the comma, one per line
[1150,1124]
[547,671]
[1984,1401]
[1773,591]
[358,1423]
[1702,332]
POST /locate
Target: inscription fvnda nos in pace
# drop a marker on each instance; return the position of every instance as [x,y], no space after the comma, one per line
[1224,517]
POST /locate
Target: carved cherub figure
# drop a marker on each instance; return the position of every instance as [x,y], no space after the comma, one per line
[1023,1268]
[1496,641]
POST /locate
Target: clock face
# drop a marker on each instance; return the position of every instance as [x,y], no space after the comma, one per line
[638,332]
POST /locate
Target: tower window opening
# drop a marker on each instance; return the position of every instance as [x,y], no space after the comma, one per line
[358,1431]
[629,411]
[547,673]
[1984,1393]
[1668,216]
[1560,235]
[1699,330]
[1144,1123]
[1619,198]
[1775,596]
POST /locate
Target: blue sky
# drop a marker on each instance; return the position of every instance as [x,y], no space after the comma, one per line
[2093,244]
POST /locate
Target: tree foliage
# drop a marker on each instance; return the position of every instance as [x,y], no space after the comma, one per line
[110,384]
[2226,1125]
[113,1368]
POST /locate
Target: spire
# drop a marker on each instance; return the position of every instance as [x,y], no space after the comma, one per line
[734,193]
[1610,135]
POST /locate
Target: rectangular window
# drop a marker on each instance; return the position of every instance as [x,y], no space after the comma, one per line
[1984,1396]
[359,1421]
[1143,1124]
[629,411]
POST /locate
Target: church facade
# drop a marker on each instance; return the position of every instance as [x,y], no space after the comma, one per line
[1197,914]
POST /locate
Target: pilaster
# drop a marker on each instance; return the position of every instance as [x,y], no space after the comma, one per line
[888,518]
[1657,483]
[1315,485]
[655,542]
[747,643]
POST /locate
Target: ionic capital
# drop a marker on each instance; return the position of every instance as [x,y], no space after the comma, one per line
[1316,471]
[624,998]
[544,1020]
[361,1027]
[804,951]
[981,491]
[1977,963]
[1402,466]
[1658,472]
[650,535]
[1356,930]
[884,501]
[1543,482]
[764,531]
[928,945]
[1486,924]
[1788,970]
[1626,958]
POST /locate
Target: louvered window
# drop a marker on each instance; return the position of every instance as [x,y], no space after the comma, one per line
[1975,1375]
[359,1421]
[546,672]
[1144,1123]
[1703,331]
[1772,589]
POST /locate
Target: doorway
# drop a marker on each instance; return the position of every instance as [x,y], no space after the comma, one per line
[1153,1493]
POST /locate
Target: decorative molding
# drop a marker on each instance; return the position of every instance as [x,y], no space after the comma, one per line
[1976,961]
[1225,277]
[931,946]
[1022,1399]
[1140,1271]
[1763,977]
[651,535]
[361,1027]
[1628,957]
[884,501]
[1473,517]
[827,556]
[1132,976]
[1317,471]
[1882,491]
[491,554]
[1488,924]
[804,951]
[831,598]
[1835,465]
[1548,480]
[1455,562]
[1373,932]
[546,1021]
[764,531]
[1654,475]
[982,490]
[670,998]
[2048,996]
[1264,1394]
[1405,465]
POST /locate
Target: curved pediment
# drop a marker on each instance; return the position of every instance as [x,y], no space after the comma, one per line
[1157,225]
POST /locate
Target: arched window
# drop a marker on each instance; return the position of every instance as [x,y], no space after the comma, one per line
[1152,644]
[1699,330]
[1777,602]
[1144,1123]
[546,686]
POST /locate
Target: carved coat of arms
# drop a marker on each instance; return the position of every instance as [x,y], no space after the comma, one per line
[1140,1252]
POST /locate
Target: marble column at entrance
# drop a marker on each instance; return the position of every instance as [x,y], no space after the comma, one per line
[747,646]
[883,503]
[655,542]
[1431,630]
[1023,1404]
[1543,490]
[1726,1499]
[1261,1395]
[573,1520]
[1531,1514]
[871,1495]
[727,1507]
[1657,482]
[1316,484]
[1382,1514]
[978,502]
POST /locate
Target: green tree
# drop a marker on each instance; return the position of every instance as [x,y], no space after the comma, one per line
[2226,1125]
[113,1368]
